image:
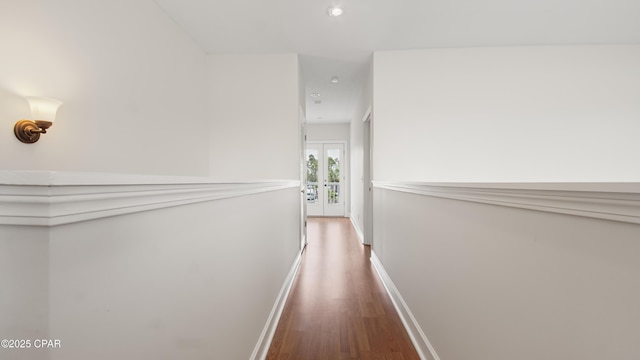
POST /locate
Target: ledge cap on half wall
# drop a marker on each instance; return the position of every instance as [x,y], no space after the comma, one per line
[617,187]
[608,201]
[66,178]
[49,198]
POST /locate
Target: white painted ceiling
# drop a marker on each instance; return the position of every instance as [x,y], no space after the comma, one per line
[342,46]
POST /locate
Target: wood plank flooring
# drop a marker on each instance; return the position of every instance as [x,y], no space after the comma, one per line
[338,308]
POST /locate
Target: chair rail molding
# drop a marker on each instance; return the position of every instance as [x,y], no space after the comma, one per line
[38,198]
[608,201]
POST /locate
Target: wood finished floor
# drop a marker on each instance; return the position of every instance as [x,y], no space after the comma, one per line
[338,308]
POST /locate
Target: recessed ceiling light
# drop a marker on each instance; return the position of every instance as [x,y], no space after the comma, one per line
[315,94]
[335,80]
[335,11]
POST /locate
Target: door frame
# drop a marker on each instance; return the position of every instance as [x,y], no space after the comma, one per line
[367,176]
[346,171]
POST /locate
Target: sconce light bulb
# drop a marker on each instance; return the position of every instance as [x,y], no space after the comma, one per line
[43,109]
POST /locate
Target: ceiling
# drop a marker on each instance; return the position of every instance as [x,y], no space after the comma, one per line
[342,46]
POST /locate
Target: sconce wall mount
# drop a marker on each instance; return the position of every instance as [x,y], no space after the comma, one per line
[28,131]
[43,110]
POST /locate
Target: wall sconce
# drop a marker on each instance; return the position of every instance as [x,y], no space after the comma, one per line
[43,113]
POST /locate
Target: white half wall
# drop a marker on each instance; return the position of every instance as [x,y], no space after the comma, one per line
[133,92]
[489,282]
[24,299]
[144,267]
[253,106]
[188,282]
[553,113]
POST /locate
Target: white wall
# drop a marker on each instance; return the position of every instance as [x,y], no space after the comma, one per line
[357,148]
[132,84]
[140,97]
[185,282]
[24,264]
[356,186]
[197,277]
[488,282]
[497,283]
[328,132]
[562,113]
[253,105]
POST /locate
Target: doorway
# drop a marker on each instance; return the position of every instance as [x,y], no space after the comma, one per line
[325,186]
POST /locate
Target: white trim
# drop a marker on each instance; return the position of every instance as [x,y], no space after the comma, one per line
[50,198]
[66,178]
[357,228]
[366,114]
[264,342]
[609,201]
[418,338]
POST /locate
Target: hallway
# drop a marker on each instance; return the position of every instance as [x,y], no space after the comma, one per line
[338,308]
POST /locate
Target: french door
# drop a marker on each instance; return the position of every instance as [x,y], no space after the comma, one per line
[325,179]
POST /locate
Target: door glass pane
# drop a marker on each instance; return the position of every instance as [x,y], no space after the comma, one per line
[312,175]
[334,193]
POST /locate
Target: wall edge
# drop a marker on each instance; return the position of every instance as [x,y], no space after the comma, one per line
[418,338]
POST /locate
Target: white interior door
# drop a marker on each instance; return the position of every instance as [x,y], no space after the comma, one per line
[333,179]
[315,197]
[325,179]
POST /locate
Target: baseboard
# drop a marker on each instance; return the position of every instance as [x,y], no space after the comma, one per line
[262,347]
[423,346]
[357,228]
